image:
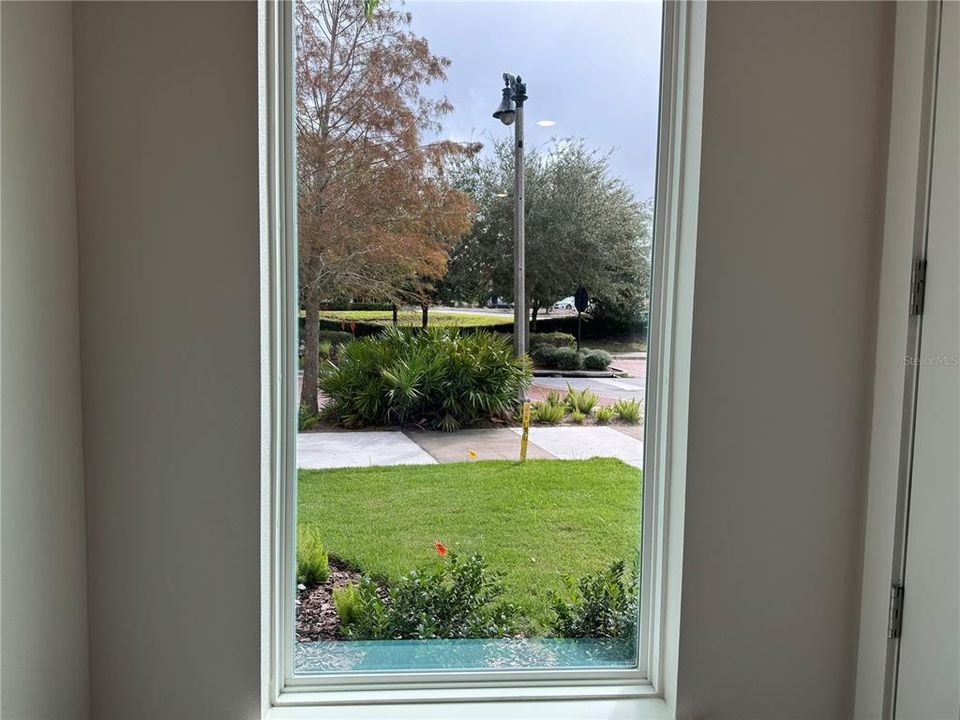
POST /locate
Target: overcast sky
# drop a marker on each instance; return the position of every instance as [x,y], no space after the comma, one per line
[591,67]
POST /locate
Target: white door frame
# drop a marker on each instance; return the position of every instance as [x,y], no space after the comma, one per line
[898,337]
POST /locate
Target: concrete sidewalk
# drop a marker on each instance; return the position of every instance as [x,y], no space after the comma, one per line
[320,450]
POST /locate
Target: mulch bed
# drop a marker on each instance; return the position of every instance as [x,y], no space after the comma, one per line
[317,617]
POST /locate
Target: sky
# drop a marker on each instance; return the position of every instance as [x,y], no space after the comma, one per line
[591,67]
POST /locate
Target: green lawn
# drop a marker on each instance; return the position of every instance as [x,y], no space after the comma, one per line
[531,522]
[413,317]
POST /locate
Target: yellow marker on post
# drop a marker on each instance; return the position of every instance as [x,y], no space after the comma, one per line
[526,431]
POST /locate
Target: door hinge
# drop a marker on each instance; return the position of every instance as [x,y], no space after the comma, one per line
[895,615]
[918,280]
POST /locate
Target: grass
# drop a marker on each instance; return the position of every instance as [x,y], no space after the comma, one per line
[532,522]
[413,317]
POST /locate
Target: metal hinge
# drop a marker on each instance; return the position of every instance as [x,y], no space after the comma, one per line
[918,279]
[895,615]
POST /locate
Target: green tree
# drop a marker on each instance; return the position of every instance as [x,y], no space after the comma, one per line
[583,227]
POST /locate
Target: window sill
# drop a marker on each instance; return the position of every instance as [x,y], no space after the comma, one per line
[613,709]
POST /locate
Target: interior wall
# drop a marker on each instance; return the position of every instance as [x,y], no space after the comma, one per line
[794,138]
[791,206]
[44,667]
[169,259]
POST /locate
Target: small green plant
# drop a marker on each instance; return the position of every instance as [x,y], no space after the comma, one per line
[581,401]
[307,420]
[577,417]
[554,398]
[547,413]
[457,598]
[568,359]
[604,414]
[601,605]
[312,567]
[629,411]
[362,610]
[349,603]
[597,360]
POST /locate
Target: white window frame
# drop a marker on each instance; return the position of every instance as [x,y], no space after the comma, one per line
[639,690]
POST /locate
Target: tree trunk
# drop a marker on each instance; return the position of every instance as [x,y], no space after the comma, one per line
[533,321]
[311,356]
[424,310]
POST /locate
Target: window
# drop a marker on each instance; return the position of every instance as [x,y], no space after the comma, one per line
[459,510]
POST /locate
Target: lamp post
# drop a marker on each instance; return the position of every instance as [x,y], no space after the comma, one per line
[510,112]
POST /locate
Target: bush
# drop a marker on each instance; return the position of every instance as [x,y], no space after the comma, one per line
[602,605]
[439,378]
[547,413]
[628,410]
[551,339]
[456,599]
[604,414]
[581,400]
[544,355]
[568,359]
[597,360]
[312,568]
[335,337]
[577,417]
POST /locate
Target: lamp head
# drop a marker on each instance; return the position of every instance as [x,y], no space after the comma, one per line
[505,112]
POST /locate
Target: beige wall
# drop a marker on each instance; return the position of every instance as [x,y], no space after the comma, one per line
[44,601]
[788,258]
[792,178]
[168,221]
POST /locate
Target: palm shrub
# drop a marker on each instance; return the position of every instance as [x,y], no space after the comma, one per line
[628,410]
[577,417]
[312,567]
[440,378]
[307,420]
[581,401]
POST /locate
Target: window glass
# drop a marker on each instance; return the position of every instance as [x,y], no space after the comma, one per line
[469,454]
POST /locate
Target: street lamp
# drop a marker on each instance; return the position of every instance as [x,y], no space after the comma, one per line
[510,112]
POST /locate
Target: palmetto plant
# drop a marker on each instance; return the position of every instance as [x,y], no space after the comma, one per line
[630,411]
[545,412]
[604,414]
[581,401]
[439,378]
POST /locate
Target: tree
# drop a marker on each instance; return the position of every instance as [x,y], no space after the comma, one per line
[583,227]
[374,208]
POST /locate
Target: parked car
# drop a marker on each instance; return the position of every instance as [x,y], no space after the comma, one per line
[565,304]
[499,303]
